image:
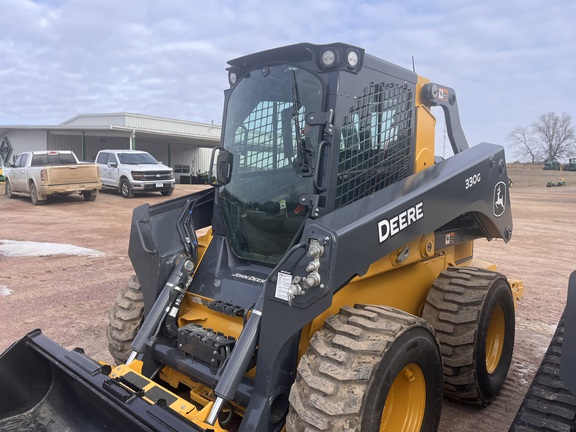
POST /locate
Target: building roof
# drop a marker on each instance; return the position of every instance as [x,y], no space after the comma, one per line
[206,135]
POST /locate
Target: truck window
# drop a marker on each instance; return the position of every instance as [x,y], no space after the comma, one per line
[62,159]
[17,161]
[103,158]
[23,160]
[112,159]
[136,158]
[53,159]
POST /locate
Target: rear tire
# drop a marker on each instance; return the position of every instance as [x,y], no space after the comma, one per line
[34,195]
[8,189]
[125,320]
[472,311]
[90,195]
[126,189]
[370,368]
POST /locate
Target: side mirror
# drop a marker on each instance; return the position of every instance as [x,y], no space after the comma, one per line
[224,162]
[113,165]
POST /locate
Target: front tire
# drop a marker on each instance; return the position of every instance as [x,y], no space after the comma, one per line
[125,320]
[370,368]
[472,312]
[167,192]
[8,189]
[126,189]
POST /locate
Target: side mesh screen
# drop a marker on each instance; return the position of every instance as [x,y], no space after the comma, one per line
[375,142]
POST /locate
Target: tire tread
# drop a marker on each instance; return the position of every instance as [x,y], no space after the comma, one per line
[334,374]
[548,404]
[125,319]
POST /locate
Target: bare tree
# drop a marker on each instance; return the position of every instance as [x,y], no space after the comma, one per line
[554,135]
[523,145]
[551,137]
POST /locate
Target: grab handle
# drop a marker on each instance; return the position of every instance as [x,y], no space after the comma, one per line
[141,236]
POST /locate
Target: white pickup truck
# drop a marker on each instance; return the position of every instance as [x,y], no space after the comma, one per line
[39,174]
[130,171]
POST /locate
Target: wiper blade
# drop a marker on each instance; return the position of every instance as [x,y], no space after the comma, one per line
[303,154]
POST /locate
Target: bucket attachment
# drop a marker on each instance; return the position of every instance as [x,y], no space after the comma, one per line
[46,388]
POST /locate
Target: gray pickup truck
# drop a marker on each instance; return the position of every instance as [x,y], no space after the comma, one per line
[40,174]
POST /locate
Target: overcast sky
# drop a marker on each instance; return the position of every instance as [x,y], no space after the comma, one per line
[508,60]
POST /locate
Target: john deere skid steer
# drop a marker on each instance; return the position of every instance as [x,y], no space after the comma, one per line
[335,287]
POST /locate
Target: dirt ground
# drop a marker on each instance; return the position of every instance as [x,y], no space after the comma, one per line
[68,296]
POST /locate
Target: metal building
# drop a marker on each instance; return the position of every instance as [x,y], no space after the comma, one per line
[184,145]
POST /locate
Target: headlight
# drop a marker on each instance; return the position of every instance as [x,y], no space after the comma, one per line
[137,175]
[352,59]
[328,58]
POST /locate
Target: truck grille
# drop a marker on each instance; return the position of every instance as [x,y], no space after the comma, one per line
[152,175]
[375,147]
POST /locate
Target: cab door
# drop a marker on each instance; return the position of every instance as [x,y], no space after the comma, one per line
[107,164]
[18,176]
[112,170]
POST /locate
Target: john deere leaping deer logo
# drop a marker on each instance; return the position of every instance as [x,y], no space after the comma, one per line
[499,199]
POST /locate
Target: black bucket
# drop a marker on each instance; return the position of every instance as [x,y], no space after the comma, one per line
[37,395]
[46,388]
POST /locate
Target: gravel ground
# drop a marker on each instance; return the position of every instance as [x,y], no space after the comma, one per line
[68,295]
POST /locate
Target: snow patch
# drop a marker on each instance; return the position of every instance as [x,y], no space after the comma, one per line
[27,248]
[5,291]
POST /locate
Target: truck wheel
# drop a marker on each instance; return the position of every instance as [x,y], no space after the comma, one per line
[126,189]
[167,192]
[34,195]
[472,311]
[370,368]
[8,189]
[90,195]
[125,320]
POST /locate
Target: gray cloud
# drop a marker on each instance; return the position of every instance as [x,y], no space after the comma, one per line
[508,61]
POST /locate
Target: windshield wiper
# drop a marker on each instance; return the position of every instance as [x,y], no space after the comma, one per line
[303,154]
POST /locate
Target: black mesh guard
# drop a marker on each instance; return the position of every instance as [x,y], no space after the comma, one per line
[375,147]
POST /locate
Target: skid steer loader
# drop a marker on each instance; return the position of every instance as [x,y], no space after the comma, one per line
[335,287]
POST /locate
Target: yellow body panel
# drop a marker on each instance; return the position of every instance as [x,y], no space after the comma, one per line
[425,130]
[194,310]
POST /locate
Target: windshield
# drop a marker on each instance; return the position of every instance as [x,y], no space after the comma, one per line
[136,158]
[274,153]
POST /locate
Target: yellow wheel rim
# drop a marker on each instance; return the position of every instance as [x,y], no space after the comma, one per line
[406,401]
[495,338]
